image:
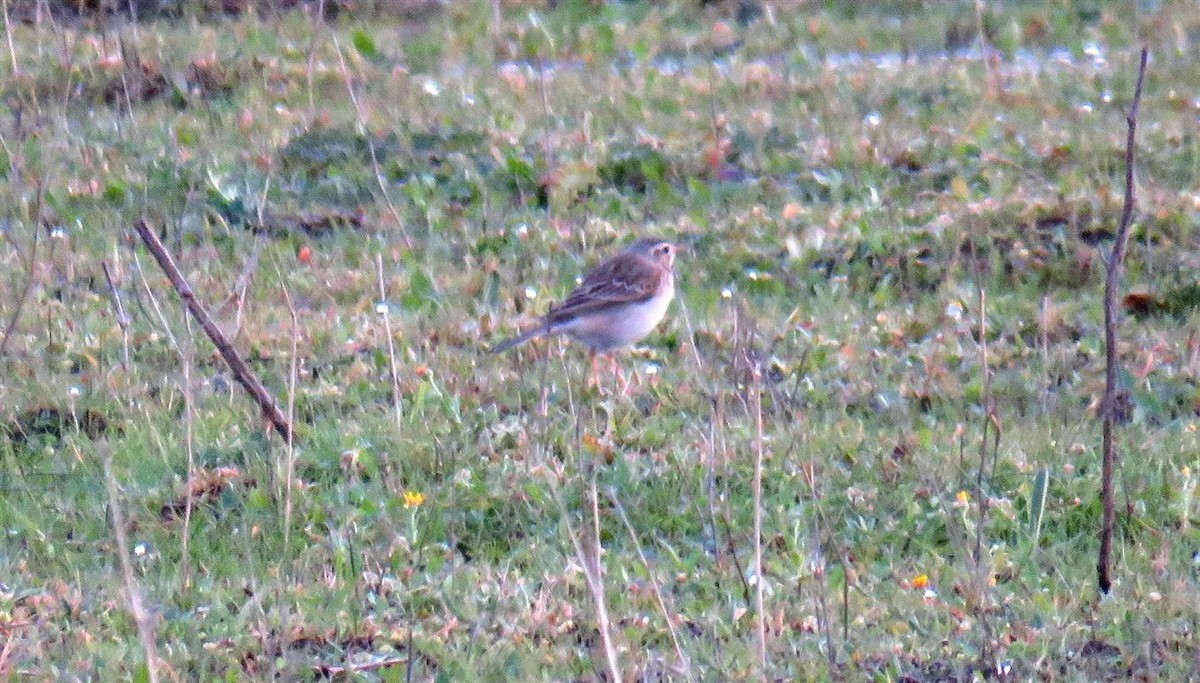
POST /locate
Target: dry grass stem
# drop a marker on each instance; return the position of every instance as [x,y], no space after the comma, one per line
[366,133]
[137,610]
[757,502]
[393,364]
[666,612]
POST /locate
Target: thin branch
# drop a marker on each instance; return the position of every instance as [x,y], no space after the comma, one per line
[1111,282]
[251,383]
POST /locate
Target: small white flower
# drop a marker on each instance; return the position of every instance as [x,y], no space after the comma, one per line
[954,311]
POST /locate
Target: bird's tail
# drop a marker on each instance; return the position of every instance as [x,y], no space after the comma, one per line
[521,338]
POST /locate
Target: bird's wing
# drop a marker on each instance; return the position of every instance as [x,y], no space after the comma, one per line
[626,278]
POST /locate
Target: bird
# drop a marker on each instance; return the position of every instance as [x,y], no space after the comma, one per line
[618,303]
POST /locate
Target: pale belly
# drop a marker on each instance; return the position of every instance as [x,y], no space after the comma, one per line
[622,326]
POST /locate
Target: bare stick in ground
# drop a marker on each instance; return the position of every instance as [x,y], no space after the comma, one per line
[241,372]
[1111,282]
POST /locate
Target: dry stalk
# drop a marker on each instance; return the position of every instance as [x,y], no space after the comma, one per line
[393,365]
[1111,282]
[122,316]
[318,19]
[990,422]
[820,572]
[132,593]
[760,580]
[187,359]
[362,121]
[985,52]
[30,264]
[237,295]
[592,566]
[547,145]
[595,569]
[658,594]
[12,50]
[289,478]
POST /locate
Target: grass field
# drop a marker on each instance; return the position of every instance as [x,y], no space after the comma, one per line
[887,236]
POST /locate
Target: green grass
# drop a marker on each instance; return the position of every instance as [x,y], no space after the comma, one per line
[843,190]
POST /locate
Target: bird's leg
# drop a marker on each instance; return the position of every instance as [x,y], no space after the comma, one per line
[622,382]
[592,382]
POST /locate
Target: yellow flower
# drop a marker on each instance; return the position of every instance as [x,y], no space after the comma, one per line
[413,499]
[920,581]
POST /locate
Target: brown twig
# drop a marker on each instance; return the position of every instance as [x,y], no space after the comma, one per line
[241,372]
[1112,276]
